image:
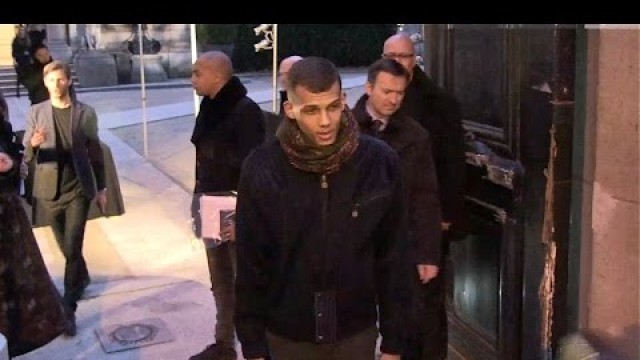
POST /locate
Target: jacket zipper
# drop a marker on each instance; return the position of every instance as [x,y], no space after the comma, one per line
[324,185]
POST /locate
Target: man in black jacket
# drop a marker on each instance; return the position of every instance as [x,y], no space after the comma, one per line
[228,126]
[321,233]
[439,112]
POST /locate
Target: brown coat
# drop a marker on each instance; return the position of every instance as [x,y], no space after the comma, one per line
[413,144]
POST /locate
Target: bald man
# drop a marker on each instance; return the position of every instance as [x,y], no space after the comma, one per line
[439,112]
[283,71]
[228,126]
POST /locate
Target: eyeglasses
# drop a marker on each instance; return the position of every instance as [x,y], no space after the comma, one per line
[397,55]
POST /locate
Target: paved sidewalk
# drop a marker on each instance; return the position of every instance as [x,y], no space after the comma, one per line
[145,264]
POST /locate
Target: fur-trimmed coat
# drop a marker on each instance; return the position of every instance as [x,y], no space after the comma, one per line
[227,128]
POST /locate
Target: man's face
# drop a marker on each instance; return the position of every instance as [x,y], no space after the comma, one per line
[204,79]
[42,55]
[317,114]
[401,50]
[385,96]
[57,83]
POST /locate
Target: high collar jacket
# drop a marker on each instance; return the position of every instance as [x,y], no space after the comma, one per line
[227,128]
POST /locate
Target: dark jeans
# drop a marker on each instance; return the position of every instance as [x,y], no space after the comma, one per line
[68,221]
[222,270]
[427,333]
[360,346]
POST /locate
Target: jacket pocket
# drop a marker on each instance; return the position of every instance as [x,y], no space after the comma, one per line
[367,211]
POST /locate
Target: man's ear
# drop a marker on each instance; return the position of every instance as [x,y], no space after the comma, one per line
[368,88]
[288,109]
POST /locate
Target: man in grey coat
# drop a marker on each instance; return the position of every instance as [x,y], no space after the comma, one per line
[61,137]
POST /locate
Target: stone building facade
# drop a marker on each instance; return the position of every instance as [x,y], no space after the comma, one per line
[68,41]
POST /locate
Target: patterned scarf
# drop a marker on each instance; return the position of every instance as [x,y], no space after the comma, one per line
[303,154]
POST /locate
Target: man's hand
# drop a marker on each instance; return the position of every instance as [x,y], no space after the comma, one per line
[101,199]
[389,357]
[445,226]
[24,170]
[427,272]
[228,231]
[39,136]
[6,162]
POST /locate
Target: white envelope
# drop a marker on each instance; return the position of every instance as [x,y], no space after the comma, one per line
[210,209]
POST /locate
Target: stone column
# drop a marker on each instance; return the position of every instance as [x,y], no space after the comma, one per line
[610,260]
[57,42]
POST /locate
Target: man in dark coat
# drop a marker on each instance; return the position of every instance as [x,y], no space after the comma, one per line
[228,126]
[32,77]
[321,233]
[438,112]
[377,114]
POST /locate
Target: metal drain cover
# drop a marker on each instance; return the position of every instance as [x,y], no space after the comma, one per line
[119,337]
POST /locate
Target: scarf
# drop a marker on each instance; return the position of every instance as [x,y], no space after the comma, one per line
[303,154]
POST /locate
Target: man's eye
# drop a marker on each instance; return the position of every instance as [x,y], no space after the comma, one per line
[310,111]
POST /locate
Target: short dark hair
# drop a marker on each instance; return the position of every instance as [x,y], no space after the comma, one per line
[34,48]
[386,65]
[314,73]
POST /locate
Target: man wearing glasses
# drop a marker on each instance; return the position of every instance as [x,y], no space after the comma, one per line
[439,112]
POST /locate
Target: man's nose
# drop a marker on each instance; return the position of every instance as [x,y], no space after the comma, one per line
[324,118]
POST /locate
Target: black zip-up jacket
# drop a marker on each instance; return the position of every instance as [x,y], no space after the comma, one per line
[319,255]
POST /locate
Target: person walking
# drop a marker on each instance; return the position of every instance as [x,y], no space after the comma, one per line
[377,114]
[228,126]
[321,233]
[438,112]
[61,140]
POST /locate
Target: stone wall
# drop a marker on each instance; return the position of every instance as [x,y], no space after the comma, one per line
[174,38]
[610,267]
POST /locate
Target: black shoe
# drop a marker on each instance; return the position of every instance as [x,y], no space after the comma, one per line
[70,328]
[216,352]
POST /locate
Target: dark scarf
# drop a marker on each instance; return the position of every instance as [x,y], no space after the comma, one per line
[306,156]
[213,111]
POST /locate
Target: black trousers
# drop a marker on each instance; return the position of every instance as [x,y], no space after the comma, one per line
[68,219]
[427,334]
[360,346]
[222,271]
[221,259]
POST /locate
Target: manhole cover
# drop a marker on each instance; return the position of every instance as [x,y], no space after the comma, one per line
[131,335]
